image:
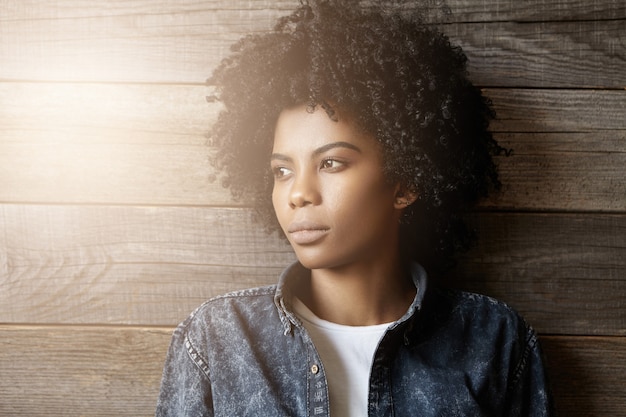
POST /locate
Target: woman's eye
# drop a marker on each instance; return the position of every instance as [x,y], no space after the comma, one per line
[331,164]
[280,172]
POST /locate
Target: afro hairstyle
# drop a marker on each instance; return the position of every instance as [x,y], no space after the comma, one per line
[398,77]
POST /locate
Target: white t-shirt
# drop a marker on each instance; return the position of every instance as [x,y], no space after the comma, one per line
[347,353]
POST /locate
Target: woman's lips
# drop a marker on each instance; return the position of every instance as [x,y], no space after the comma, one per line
[304,233]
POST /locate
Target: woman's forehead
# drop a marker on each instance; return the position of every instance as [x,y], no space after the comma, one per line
[301,127]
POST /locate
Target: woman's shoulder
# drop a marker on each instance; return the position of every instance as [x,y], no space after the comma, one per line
[477,315]
[466,301]
[473,331]
[230,309]
[243,295]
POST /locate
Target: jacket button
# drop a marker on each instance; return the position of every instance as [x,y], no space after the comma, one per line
[315,369]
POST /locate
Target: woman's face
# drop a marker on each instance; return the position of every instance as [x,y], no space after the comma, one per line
[330,195]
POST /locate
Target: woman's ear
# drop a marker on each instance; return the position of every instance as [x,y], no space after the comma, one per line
[404,197]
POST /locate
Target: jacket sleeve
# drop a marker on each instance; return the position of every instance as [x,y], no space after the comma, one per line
[185,385]
[528,392]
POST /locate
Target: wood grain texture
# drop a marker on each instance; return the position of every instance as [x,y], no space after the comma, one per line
[181,42]
[103,371]
[139,41]
[99,113]
[587,375]
[558,111]
[548,55]
[100,143]
[565,273]
[146,144]
[129,265]
[457,10]
[534,10]
[562,171]
[80,371]
[133,265]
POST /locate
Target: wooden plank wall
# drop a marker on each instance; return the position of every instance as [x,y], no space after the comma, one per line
[111,232]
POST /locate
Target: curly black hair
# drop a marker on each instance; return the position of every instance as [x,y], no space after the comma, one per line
[402,81]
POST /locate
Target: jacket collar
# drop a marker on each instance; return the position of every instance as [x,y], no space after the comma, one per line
[296,272]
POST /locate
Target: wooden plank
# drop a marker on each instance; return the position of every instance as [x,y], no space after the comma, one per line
[562,171]
[565,273]
[93,113]
[101,173]
[587,375]
[557,111]
[145,144]
[80,371]
[106,143]
[139,41]
[579,54]
[175,114]
[125,41]
[137,265]
[101,371]
[459,10]
[564,157]
[128,264]
[534,10]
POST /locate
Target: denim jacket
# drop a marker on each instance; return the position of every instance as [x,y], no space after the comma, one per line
[452,354]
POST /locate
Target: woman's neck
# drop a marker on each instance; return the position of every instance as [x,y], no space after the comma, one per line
[359,295]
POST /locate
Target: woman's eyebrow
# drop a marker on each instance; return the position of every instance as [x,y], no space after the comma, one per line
[280,157]
[318,151]
[333,145]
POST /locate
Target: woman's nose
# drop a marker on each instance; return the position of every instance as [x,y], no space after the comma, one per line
[304,191]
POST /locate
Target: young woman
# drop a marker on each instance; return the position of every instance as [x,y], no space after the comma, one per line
[358,136]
